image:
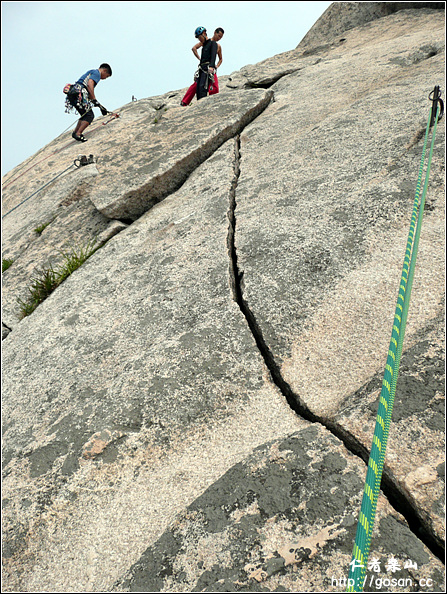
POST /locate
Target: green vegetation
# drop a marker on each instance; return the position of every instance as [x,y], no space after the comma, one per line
[49,279]
[6,263]
[40,228]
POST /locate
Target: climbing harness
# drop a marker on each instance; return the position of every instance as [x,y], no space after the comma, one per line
[200,69]
[209,78]
[82,102]
[358,566]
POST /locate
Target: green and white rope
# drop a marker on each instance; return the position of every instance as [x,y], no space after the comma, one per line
[360,554]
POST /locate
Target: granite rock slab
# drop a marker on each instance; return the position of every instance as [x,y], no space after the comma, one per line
[192,409]
[133,387]
[154,156]
[322,273]
[282,520]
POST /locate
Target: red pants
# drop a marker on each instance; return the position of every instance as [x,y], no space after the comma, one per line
[213,90]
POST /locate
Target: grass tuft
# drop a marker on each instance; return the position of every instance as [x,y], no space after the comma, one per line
[6,263]
[49,279]
[41,228]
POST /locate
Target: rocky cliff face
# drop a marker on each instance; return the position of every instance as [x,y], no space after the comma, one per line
[192,408]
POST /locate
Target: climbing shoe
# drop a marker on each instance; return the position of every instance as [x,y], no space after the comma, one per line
[80,138]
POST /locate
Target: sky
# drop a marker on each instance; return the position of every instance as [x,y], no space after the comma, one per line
[46,45]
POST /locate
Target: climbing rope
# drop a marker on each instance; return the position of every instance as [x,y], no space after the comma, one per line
[360,554]
[37,191]
[114,115]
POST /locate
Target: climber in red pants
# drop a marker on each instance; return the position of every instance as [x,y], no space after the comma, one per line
[214,86]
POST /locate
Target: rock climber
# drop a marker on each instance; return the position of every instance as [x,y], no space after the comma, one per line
[214,84]
[81,96]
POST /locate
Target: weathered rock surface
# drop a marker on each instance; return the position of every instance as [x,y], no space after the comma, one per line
[280,521]
[415,452]
[341,17]
[345,253]
[322,276]
[176,412]
[168,150]
[148,367]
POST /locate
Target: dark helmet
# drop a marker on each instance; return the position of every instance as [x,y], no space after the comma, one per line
[199,31]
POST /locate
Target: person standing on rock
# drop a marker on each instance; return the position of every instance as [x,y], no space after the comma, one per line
[207,65]
[81,96]
[214,85]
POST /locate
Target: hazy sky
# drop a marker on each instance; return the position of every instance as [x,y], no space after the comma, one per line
[148,45]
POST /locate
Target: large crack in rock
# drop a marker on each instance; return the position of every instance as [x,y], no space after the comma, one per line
[140,383]
[322,274]
[403,499]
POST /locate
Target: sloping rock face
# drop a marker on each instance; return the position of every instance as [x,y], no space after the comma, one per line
[268,526]
[192,409]
[340,17]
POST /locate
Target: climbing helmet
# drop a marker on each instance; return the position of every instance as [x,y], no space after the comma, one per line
[199,31]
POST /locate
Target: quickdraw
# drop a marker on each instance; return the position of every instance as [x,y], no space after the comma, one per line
[435,96]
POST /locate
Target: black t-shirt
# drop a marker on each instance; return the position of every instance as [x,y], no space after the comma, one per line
[209,53]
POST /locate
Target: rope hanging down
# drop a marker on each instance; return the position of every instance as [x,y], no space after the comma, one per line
[37,191]
[81,161]
[113,116]
[360,554]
